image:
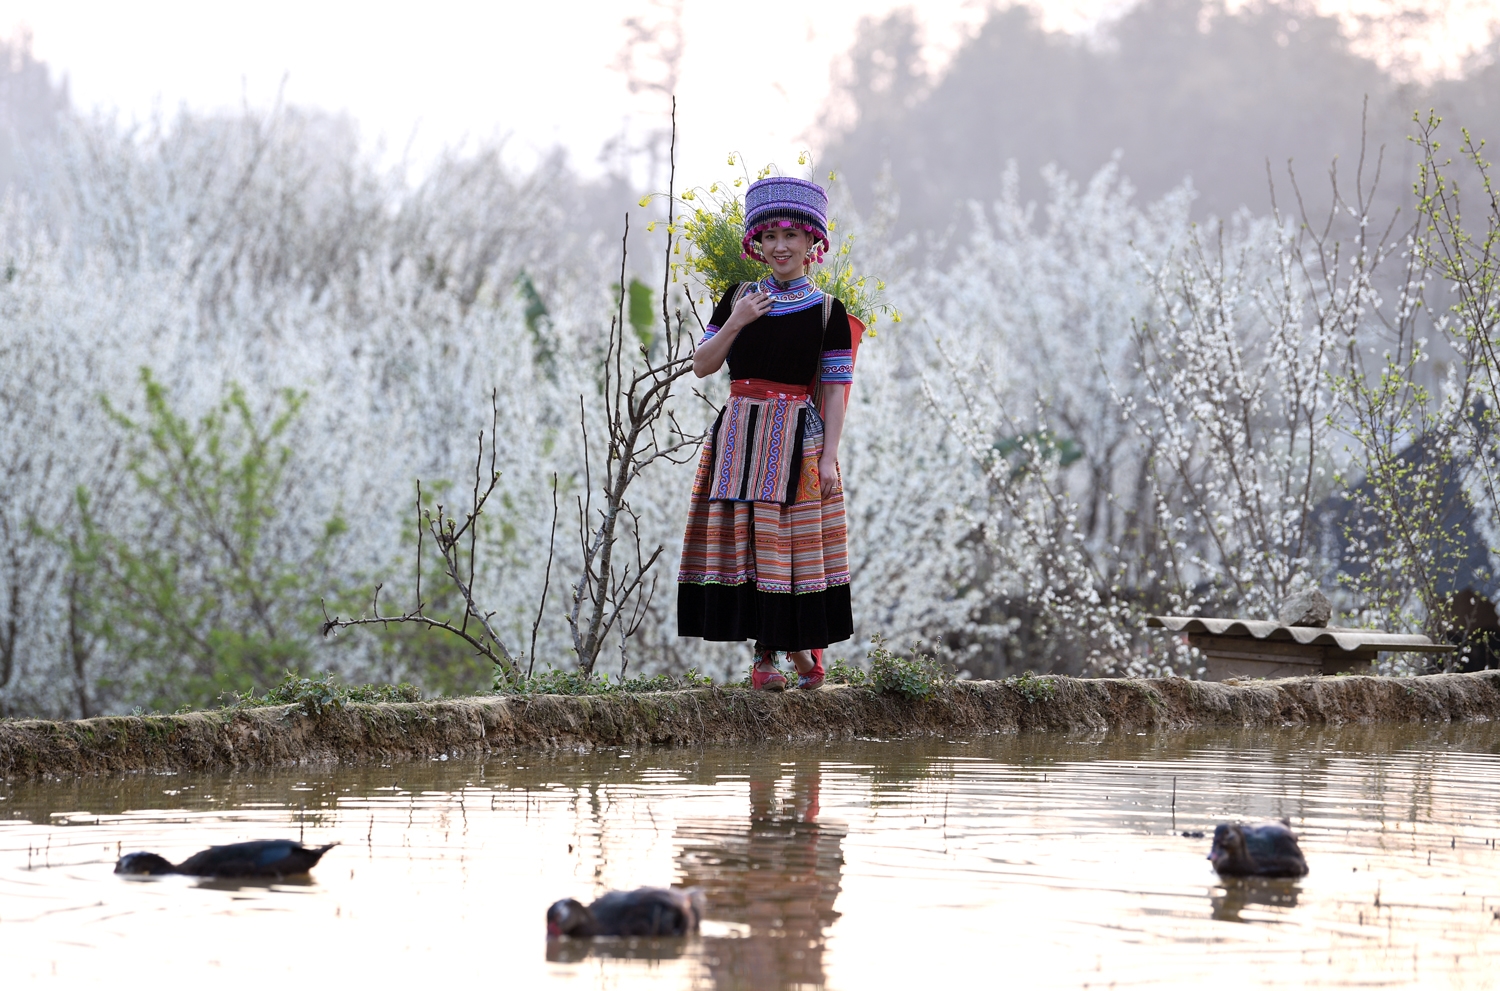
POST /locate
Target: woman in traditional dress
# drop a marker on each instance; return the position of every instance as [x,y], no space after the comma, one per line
[764,555]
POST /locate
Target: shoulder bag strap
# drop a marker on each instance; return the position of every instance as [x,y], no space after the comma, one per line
[815,389]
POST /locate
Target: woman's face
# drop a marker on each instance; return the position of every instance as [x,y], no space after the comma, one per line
[786,249]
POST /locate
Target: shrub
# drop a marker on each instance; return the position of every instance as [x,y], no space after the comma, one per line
[1033,689]
[914,677]
[206,587]
[841,672]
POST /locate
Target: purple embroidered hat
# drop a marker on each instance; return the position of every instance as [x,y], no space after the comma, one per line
[782,202]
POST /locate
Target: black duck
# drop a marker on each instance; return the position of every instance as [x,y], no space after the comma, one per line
[256,858]
[642,912]
[1262,849]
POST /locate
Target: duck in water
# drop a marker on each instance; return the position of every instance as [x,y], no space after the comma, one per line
[256,858]
[642,912]
[1263,849]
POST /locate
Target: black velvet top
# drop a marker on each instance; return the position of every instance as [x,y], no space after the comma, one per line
[789,347]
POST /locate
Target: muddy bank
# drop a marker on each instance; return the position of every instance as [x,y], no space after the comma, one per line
[287,735]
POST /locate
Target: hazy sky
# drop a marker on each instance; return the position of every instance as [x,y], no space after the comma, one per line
[432,75]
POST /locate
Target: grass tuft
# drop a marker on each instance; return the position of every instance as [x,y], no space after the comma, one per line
[573,683]
[318,695]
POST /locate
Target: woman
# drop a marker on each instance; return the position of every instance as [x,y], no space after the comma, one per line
[764,555]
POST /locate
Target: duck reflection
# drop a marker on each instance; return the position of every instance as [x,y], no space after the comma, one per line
[260,883]
[1241,892]
[631,948]
[774,877]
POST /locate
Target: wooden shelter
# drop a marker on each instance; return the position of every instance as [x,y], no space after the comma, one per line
[1251,648]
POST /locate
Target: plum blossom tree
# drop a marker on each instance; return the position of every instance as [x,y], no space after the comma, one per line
[1094,409]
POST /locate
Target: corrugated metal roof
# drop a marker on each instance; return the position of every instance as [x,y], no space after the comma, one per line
[1341,636]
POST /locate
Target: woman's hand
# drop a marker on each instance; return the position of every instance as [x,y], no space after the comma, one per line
[828,475]
[710,357]
[751,307]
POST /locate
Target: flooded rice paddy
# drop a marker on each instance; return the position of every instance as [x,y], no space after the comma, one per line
[1031,861]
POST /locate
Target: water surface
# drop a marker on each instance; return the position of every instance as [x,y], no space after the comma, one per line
[1030,861]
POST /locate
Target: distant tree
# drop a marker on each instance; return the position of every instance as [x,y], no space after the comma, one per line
[1182,89]
[30,104]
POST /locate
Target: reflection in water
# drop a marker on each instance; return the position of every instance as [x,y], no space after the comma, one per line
[850,865]
[1237,893]
[255,883]
[775,875]
[770,878]
[578,950]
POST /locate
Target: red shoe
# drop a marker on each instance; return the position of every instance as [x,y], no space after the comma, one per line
[764,675]
[813,680]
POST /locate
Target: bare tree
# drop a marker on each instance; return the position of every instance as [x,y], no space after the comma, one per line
[450,535]
[635,403]
[637,394]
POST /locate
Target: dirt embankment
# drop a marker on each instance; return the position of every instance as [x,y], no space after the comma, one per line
[287,735]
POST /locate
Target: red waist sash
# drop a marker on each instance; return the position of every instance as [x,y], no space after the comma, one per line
[764,389]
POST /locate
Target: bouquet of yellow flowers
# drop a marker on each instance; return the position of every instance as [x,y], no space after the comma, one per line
[712,223]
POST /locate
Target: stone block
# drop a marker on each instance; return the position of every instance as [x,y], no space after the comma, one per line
[1308,607]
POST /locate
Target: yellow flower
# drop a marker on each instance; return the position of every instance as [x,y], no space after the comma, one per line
[731,158]
[833,225]
[651,226]
[715,187]
[764,172]
[687,195]
[896,315]
[879,286]
[831,177]
[738,183]
[646,200]
[802,158]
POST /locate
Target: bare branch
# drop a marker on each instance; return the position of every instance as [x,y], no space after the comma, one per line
[541,604]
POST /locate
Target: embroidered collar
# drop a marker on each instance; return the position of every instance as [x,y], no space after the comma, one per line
[795,290]
[791,297]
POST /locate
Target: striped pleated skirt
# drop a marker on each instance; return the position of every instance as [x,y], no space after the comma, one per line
[764,556]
